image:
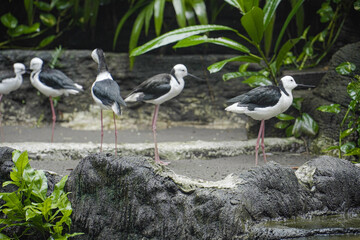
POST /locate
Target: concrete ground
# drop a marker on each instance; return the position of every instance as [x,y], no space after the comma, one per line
[224,151]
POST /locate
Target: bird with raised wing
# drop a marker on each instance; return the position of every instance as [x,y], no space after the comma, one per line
[157,90]
[263,103]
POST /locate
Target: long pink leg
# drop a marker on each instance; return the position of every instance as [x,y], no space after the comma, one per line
[115,135]
[262,142]
[258,141]
[102,130]
[157,158]
[53,118]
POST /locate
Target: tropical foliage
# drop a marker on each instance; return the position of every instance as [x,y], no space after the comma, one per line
[350,123]
[30,207]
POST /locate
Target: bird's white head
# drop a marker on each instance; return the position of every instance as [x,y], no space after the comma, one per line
[179,70]
[36,64]
[288,82]
[19,68]
[95,55]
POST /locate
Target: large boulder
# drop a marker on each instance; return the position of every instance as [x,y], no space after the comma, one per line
[131,198]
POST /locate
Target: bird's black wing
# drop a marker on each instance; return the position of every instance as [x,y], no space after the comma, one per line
[263,96]
[56,79]
[6,74]
[154,87]
[108,91]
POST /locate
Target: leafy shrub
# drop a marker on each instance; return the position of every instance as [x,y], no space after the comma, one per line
[30,207]
[351,121]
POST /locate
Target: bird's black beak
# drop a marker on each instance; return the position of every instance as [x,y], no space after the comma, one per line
[203,80]
[305,86]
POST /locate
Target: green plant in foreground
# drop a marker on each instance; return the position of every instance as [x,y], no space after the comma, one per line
[303,125]
[351,121]
[30,208]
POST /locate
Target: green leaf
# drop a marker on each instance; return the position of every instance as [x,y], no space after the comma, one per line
[357,5]
[331,148]
[222,41]
[345,68]
[38,182]
[253,24]
[235,4]
[43,6]
[355,151]
[285,117]
[232,75]
[179,7]
[244,67]
[346,132]
[48,19]
[286,23]
[46,41]
[159,6]
[353,89]
[289,131]
[176,35]
[332,108]
[200,10]
[29,7]
[135,33]
[269,11]
[4,237]
[8,20]
[297,103]
[219,65]
[23,29]
[305,125]
[348,147]
[326,12]
[148,14]
[257,81]
[284,50]
[282,124]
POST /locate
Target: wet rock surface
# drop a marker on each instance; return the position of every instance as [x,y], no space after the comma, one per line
[129,197]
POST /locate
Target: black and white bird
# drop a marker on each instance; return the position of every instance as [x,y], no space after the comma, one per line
[105,91]
[157,90]
[263,103]
[51,83]
[11,80]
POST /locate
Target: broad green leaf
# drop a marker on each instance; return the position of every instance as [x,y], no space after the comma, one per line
[123,20]
[29,8]
[190,15]
[289,131]
[355,151]
[21,162]
[297,103]
[8,20]
[48,19]
[257,81]
[179,8]
[284,117]
[346,133]
[244,67]
[43,6]
[269,11]
[357,5]
[38,182]
[235,4]
[353,89]
[222,41]
[219,65]
[159,6]
[347,147]
[200,10]
[331,148]
[23,29]
[284,50]
[345,68]
[305,125]
[332,108]
[253,24]
[63,5]
[294,9]
[232,75]
[326,12]
[135,33]
[282,124]
[46,41]
[148,14]
[4,237]
[176,35]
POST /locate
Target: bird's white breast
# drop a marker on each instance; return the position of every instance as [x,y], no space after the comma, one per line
[11,84]
[175,90]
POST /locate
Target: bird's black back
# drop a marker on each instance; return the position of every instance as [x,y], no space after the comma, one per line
[108,91]
[263,96]
[56,79]
[154,87]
